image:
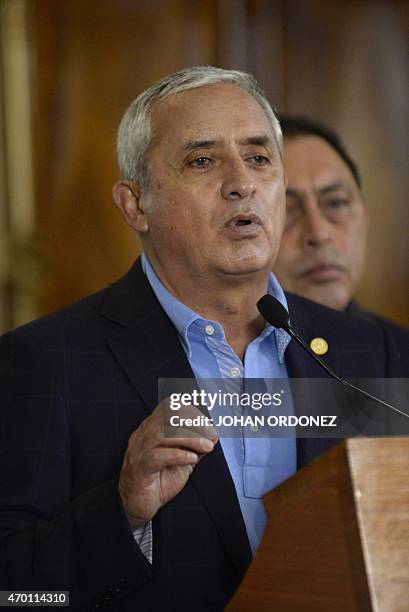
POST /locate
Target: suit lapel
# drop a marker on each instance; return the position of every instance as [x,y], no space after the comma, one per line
[141,337]
[301,365]
[146,345]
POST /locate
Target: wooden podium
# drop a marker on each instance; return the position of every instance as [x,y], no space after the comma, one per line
[337,537]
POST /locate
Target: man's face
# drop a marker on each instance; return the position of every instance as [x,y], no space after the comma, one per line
[322,253]
[215,201]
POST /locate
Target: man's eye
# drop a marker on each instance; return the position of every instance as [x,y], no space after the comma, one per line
[337,203]
[260,160]
[200,162]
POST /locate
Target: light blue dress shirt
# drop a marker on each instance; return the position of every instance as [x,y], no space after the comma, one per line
[256,464]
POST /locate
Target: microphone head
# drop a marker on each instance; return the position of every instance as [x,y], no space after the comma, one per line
[273,311]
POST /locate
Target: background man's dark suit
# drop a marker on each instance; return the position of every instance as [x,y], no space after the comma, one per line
[74,385]
[398,336]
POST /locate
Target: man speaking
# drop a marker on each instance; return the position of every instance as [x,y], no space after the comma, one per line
[95,499]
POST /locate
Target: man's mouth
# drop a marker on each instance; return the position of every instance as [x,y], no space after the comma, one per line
[244,219]
[243,226]
[243,222]
[323,272]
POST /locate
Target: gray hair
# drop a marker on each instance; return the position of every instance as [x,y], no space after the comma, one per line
[135,131]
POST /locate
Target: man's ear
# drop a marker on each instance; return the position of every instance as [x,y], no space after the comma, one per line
[127,197]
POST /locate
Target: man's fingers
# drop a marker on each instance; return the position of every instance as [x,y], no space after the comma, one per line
[195,444]
[143,446]
[163,457]
[156,467]
[181,431]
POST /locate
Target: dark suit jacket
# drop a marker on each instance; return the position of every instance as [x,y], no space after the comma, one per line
[73,387]
[398,336]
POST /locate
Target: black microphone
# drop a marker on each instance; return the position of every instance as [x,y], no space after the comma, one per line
[275,314]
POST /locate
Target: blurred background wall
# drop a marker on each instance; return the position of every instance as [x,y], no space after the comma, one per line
[69,69]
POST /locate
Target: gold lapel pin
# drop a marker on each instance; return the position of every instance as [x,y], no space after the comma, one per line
[319,346]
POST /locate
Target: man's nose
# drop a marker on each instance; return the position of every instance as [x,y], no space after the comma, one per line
[238,181]
[317,230]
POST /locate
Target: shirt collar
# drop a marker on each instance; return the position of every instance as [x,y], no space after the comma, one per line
[183,317]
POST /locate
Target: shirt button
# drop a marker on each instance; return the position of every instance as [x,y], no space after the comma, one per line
[235,372]
[209,329]
[254,428]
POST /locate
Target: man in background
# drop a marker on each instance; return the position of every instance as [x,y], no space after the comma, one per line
[323,248]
